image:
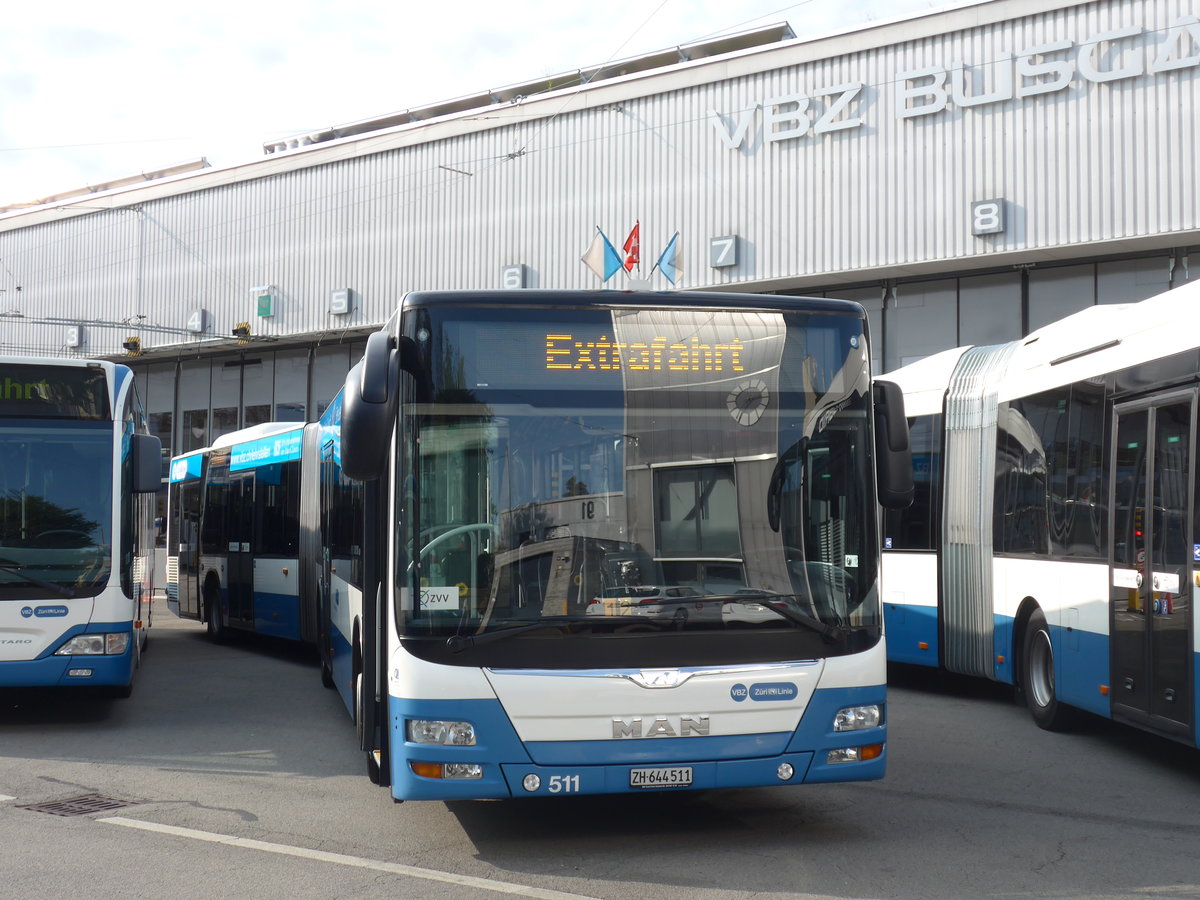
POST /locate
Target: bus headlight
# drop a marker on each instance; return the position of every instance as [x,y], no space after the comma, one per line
[436,731]
[112,644]
[856,718]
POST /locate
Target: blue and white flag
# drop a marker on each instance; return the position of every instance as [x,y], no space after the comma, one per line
[602,257]
[669,261]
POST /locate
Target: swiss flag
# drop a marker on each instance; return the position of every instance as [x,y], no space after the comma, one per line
[633,248]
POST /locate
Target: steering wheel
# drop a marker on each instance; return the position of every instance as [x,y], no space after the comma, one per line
[85,536]
[459,532]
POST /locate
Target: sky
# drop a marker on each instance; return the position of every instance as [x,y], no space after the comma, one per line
[91,92]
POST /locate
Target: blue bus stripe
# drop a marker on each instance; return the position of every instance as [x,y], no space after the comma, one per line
[602,766]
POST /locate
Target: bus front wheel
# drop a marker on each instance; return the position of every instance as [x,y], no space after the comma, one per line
[360,711]
[1038,680]
[212,611]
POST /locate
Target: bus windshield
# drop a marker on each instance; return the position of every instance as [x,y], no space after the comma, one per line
[637,471]
[55,508]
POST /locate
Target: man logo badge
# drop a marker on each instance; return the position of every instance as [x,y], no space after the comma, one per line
[659,678]
[662,726]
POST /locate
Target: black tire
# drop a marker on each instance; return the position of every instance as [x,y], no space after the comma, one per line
[356,684]
[373,772]
[117,691]
[1037,682]
[212,612]
[360,712]
[326,675]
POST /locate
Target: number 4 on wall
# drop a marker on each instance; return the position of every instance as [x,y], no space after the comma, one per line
[197,321]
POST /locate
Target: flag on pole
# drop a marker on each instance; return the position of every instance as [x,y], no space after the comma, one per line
[602,257]
[669,261]
[633,247]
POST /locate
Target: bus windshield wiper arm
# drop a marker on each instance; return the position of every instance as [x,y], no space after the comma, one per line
[832,632]
[13,568]
[460,642]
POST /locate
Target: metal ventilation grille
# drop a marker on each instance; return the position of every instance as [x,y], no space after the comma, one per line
[79,806]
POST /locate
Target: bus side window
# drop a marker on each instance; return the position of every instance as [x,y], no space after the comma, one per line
[916,527]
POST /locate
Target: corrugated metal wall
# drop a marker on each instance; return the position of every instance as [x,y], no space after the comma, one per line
[1095,162]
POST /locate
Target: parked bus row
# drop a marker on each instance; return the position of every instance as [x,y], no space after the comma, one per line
[1053,543]
[567,542]
[544,545]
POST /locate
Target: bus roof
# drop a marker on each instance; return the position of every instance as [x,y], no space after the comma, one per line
[551,299]
[60,361]
[924,381]
[254,433]
[1093,341]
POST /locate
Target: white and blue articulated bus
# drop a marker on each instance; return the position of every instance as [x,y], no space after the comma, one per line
[1054,541]
[233,534]
[78,475]
[592,542]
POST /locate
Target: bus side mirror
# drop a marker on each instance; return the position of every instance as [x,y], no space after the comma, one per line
[893,452]
[369,408]
[147,463]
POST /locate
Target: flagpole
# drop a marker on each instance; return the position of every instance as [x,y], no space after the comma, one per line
[637,224]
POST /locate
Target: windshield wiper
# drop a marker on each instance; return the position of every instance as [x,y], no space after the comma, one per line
[13,568]
[459,642]
[830,632]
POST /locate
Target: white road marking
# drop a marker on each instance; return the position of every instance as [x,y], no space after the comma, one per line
[341,859]
[4,797]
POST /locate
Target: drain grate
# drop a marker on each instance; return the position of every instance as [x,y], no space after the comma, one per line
[79,806]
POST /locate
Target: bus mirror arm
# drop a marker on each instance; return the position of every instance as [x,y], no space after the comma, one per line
[382,362]
[792,454]
[410,362]
[377,384]
[893,451]
[774,489]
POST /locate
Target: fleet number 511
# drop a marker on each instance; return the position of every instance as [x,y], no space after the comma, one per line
[564,784]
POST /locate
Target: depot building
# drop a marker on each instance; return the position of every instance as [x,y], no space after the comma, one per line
[968,175]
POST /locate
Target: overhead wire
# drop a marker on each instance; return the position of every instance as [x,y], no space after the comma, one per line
[268,217]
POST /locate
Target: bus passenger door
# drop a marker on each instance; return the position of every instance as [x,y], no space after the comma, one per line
[240,535]
[1153,483]
[185,510]
[323,565]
